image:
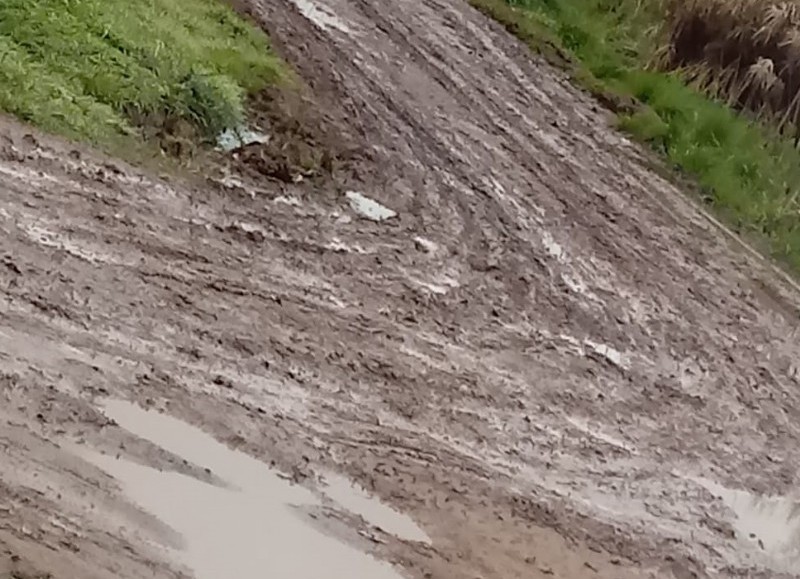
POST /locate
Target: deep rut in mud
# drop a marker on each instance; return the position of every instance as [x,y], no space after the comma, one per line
[549,359]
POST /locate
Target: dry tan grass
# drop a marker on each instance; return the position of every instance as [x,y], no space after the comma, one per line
[746,52]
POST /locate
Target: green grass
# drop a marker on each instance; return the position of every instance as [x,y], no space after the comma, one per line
[100,70]
[744,169]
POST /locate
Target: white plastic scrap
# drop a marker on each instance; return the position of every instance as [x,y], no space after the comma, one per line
[369,208]
[232,139]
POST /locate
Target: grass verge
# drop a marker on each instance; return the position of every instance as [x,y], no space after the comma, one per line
[745,169]
[113,72]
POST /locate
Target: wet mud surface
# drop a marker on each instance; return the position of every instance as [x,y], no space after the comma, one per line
[539,351]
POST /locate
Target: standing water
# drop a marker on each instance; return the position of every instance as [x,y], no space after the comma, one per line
[249,530]
[771,525]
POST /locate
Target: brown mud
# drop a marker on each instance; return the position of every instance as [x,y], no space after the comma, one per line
[550,360]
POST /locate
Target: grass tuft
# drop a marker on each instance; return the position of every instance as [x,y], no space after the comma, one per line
[631,52]
[212,102]
[102,70]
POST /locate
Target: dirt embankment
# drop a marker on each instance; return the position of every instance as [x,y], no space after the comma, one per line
[549,359]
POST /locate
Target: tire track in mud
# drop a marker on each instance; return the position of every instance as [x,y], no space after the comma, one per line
[681,322]
[550,371]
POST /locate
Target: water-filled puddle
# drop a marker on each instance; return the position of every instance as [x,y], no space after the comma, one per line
[357,501]
[769,524]
[251,529]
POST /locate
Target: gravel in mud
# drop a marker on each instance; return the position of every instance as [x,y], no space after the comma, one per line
[548,358]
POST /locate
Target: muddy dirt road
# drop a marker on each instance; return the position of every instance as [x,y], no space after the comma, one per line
[549,359]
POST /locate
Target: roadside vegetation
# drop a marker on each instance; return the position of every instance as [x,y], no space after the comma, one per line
[714,85]
[119,72]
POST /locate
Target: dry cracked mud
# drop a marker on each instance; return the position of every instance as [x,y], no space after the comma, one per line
[549,359]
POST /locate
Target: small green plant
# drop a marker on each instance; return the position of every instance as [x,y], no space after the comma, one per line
[212,102]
